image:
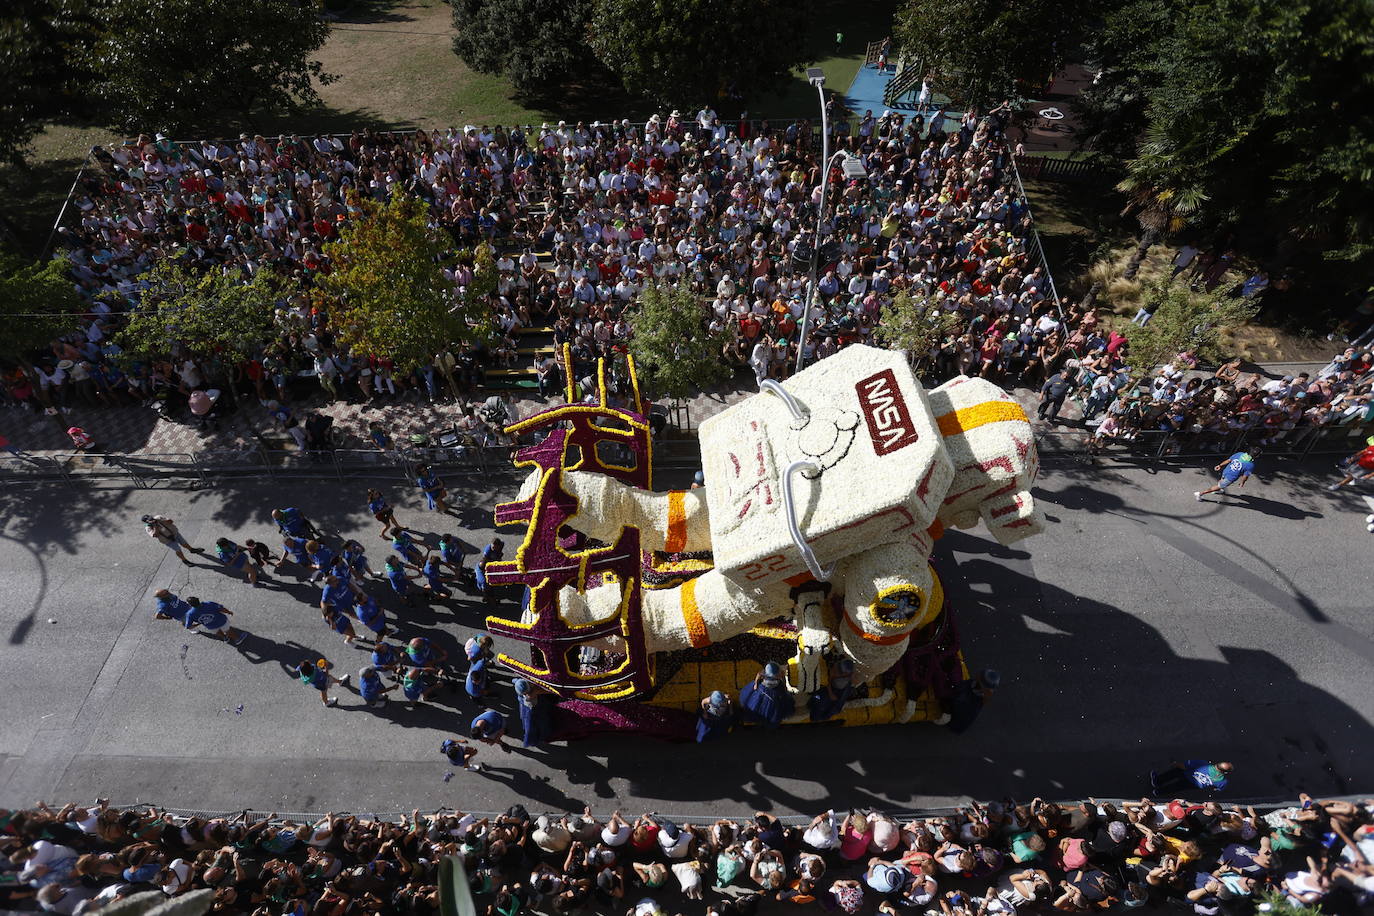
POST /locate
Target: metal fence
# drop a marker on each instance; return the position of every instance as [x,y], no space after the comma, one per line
[1034,248]
[1154,445]
[1263,805]
[211,466]
[208,467]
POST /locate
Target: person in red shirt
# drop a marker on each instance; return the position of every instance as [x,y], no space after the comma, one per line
[1359,466]
[750,326]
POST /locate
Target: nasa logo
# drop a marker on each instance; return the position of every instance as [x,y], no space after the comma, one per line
[889,420]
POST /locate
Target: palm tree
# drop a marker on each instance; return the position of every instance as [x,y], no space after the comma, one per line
[1161,191]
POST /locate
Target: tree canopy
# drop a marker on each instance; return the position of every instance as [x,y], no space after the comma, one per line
[175,64]
[674,355]
[990,49]
[915,326]
[1258,115]
[1184,321]
[686,52]
[388,295]
[533,43]
[41,75]
[38,302]
[228,314]
[674,52]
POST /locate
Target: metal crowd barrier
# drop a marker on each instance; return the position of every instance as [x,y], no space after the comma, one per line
[211,466]
[1161,445]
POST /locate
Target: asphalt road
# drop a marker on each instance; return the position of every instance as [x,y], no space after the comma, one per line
[1143,626]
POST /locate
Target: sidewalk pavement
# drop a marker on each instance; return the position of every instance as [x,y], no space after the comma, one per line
[139,431]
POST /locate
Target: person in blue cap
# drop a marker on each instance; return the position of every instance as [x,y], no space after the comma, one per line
[716,718]
[766,699]
[536,711]
[828,701]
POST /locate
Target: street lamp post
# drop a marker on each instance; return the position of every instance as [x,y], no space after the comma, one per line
[816,76]
[853,168]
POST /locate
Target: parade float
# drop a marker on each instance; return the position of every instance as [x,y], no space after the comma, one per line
[809,544]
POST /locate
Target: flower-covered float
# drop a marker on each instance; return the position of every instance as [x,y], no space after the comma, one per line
[810,543]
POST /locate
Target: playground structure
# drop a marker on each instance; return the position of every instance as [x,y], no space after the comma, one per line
[810,542]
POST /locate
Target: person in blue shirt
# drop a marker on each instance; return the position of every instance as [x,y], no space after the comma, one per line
[212,619]
[321,558]
[381,510]
[1238,467]
[478,649]
[1191,775]
[433,487]
[451,553]
[536,711]
[434,576]
[422,653]
[291,521]
[235,557]
[489,727]
[293,549]
[418,685]
[477,684]
[494,551]
[371,687]
[405,546]
[340,570]
[169,606]
[335,594]
[828,701]
[371,615]
[356,558]
[340,623]
[766,699]
[716,718]
[385,657]
[316,675]
[395,573]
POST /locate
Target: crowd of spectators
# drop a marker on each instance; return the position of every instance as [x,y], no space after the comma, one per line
[1179,409]
[583,217]
[981,860]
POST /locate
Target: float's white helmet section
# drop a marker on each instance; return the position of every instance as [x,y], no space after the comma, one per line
[878,468]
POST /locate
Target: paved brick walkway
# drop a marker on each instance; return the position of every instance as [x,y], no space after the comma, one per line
[142,432]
